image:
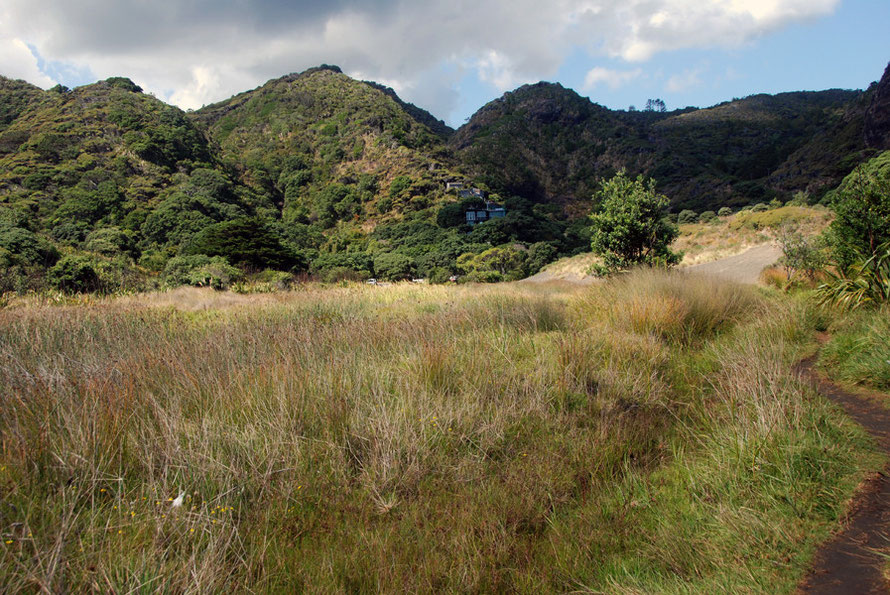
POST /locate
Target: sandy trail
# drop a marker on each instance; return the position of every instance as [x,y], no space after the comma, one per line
[741,268]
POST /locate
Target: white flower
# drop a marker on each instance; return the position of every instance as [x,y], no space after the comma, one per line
[178,501]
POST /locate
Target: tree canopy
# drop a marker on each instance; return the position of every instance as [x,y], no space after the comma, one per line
[628,225]
[862,208]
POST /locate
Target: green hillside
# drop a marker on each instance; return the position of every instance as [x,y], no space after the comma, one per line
[326,148]
[108,171]
[546,141]
[105,187]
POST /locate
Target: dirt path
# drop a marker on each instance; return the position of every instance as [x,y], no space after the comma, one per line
[741,268]
[848,562]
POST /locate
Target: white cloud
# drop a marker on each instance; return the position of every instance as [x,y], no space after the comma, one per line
[499,71]
[19,63]
[612,78]
[199,51]
[683,81]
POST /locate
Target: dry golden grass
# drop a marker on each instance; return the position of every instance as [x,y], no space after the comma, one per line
[572,267]
[727,236]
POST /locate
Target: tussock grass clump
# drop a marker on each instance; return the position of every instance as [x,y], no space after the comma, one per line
[675,306]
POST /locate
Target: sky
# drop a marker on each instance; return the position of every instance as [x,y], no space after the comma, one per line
[453,56]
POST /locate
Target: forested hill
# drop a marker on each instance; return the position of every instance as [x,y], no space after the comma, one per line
[106,167]
[549,143]
[317,171]
[324,147]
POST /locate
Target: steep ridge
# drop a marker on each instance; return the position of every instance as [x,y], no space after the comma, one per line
[877,117]
[547,142]
[107,155]
[295,138]
[15,98]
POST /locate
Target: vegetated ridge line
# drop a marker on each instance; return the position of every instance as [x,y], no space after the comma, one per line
[850,562]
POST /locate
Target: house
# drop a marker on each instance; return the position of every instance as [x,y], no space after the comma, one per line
[481,215]
[455,185]
[471,193]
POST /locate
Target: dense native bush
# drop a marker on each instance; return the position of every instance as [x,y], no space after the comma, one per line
[687,216]
[862,212]
[246,242]
[359,263]
[200,270]
[707,217]
[393,266]
[19,246]
[75,274]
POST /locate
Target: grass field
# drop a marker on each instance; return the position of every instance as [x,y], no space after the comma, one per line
[641,435]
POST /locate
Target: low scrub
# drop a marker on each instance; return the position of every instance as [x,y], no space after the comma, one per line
[865,283]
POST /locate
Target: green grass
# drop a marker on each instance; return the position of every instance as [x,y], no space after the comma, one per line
[417,438]
[859,351]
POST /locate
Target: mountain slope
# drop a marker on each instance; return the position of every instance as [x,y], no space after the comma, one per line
[318,170]
[15,98]
[302,137]
[75,164]
[877,117]
[548,142]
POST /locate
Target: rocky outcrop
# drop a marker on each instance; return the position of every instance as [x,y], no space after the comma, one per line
[877,118]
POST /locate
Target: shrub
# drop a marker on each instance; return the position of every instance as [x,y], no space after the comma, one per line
[862,207]
[75,273]
[801,198]
[399,186]
[439,275]
[760,207]
[277,279]
[341,273]
[357,262]
[23,247]
[200,270]
[482,277]
[247,242]
[707,217]
[800,254]
[687,216]
[111,241]
[540,254]
[863,283]
[393,266]
[724,212]
[495,264]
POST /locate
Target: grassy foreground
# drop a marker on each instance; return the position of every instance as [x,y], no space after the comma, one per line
[644,435]
[859,352]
